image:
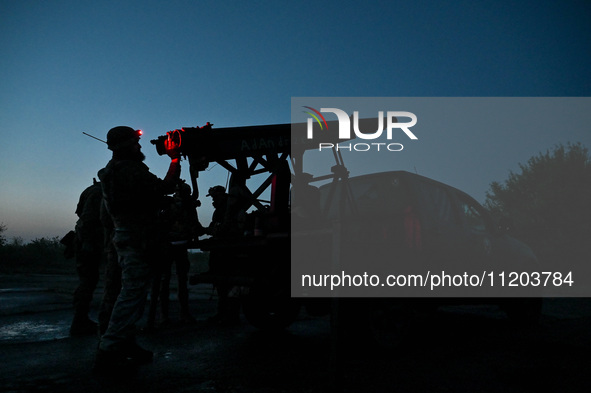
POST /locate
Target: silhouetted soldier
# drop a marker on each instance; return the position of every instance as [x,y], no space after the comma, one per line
[112,277]
[237,204]
[183,226]
[219,202]
[133,198]
[228,308]
[89,255]
[305,199]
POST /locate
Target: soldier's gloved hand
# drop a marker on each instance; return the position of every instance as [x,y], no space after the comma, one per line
[172,144]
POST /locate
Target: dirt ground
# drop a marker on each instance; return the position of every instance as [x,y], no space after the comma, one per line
[458,349]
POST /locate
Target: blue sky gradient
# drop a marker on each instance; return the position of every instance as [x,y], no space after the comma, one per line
[74,66]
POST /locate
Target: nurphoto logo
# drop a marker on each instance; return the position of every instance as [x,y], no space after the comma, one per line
[344,129]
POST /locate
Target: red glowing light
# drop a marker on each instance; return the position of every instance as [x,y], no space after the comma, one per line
[139,132]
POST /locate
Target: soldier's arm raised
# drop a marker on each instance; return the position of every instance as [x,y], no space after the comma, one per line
[174,170]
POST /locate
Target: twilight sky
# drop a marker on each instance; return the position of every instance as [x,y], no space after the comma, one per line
[73,66]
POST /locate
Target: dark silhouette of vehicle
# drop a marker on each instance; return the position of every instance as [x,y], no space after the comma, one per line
[425,222]
[434,224]
[407,221]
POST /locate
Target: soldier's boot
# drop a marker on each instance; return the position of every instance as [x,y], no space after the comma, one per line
[186,316]
[232,312]
[82,325]
[103,320]
[112,363]
[136,353]
[151,320]
[221,309]
[164,307]
[129,354]
[228,312]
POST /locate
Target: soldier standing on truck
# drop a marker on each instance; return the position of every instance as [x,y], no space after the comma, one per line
[133,197]
[89,255]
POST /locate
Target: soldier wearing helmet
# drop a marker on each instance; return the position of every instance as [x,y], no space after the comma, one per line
[219,201]
[119,138]
[89,256]
[180,219]
[216,190]
[228,309]
[133,197]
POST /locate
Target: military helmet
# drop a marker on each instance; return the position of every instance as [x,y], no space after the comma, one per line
[216,190]
[121,137]
[182,187]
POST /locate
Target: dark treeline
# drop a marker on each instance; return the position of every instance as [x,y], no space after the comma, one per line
[41,255]
[548,204]
[46,256]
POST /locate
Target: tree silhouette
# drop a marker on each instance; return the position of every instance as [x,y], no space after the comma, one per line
[2,237]
[549,203]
